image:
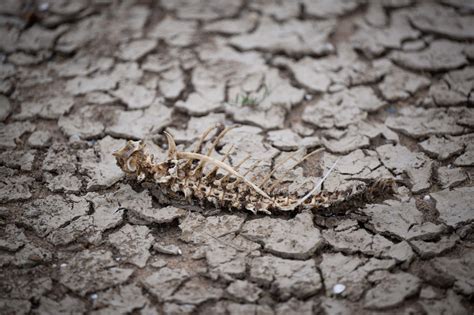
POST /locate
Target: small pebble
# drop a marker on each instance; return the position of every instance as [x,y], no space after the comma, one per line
[74,138]
[169,249]
[328,46]
[93,296]
[426,198]
[43,6]
[338,288]
[63,265]
[39,139]
[308,97]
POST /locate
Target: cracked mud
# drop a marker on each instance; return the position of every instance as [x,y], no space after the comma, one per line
[385,86]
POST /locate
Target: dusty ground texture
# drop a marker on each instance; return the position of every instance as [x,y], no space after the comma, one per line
[388,86]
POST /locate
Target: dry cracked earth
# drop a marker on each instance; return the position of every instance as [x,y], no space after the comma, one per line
[386,86]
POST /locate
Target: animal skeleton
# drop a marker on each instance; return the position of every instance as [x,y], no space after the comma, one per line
[182,178]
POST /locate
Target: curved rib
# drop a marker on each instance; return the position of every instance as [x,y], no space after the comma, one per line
[278,181]
[203,137]
[205,158]
[171,146]
[267,178]
[202,163]
[226,155]
[317,185]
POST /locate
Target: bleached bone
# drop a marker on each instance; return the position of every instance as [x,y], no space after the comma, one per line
[278,181]
[174,181]
[203,137]
[171,146]
[236,167]
[202,163]
[219,138]
[318,185]
[208,159]
[267,178]
[226,155]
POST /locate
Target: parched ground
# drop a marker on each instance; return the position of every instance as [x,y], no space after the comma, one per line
[386,86]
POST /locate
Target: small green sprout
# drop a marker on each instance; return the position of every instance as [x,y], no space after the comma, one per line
[251,99]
